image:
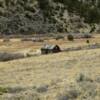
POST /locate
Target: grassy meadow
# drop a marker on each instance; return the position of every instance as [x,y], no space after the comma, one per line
[71,75]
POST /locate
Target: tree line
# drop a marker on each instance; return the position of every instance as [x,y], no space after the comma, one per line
[88,9]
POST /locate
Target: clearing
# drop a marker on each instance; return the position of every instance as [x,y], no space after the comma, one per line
[71,75]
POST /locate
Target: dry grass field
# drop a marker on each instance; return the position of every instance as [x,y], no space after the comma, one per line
[16,45]
[71,75]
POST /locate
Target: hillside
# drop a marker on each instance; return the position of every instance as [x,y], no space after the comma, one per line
[37,16]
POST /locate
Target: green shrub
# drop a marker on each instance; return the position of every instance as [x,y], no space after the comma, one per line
[87,41]
[42,89]
[3,90]
[5,56]
[70,37]
[83,78]
[70,94]
[16,89]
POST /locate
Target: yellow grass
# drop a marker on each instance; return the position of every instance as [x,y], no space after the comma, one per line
[58,71]
[15,44]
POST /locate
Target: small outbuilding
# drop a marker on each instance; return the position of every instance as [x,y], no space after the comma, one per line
[50,49]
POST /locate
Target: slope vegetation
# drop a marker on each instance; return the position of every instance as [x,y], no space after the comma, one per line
[36,16]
